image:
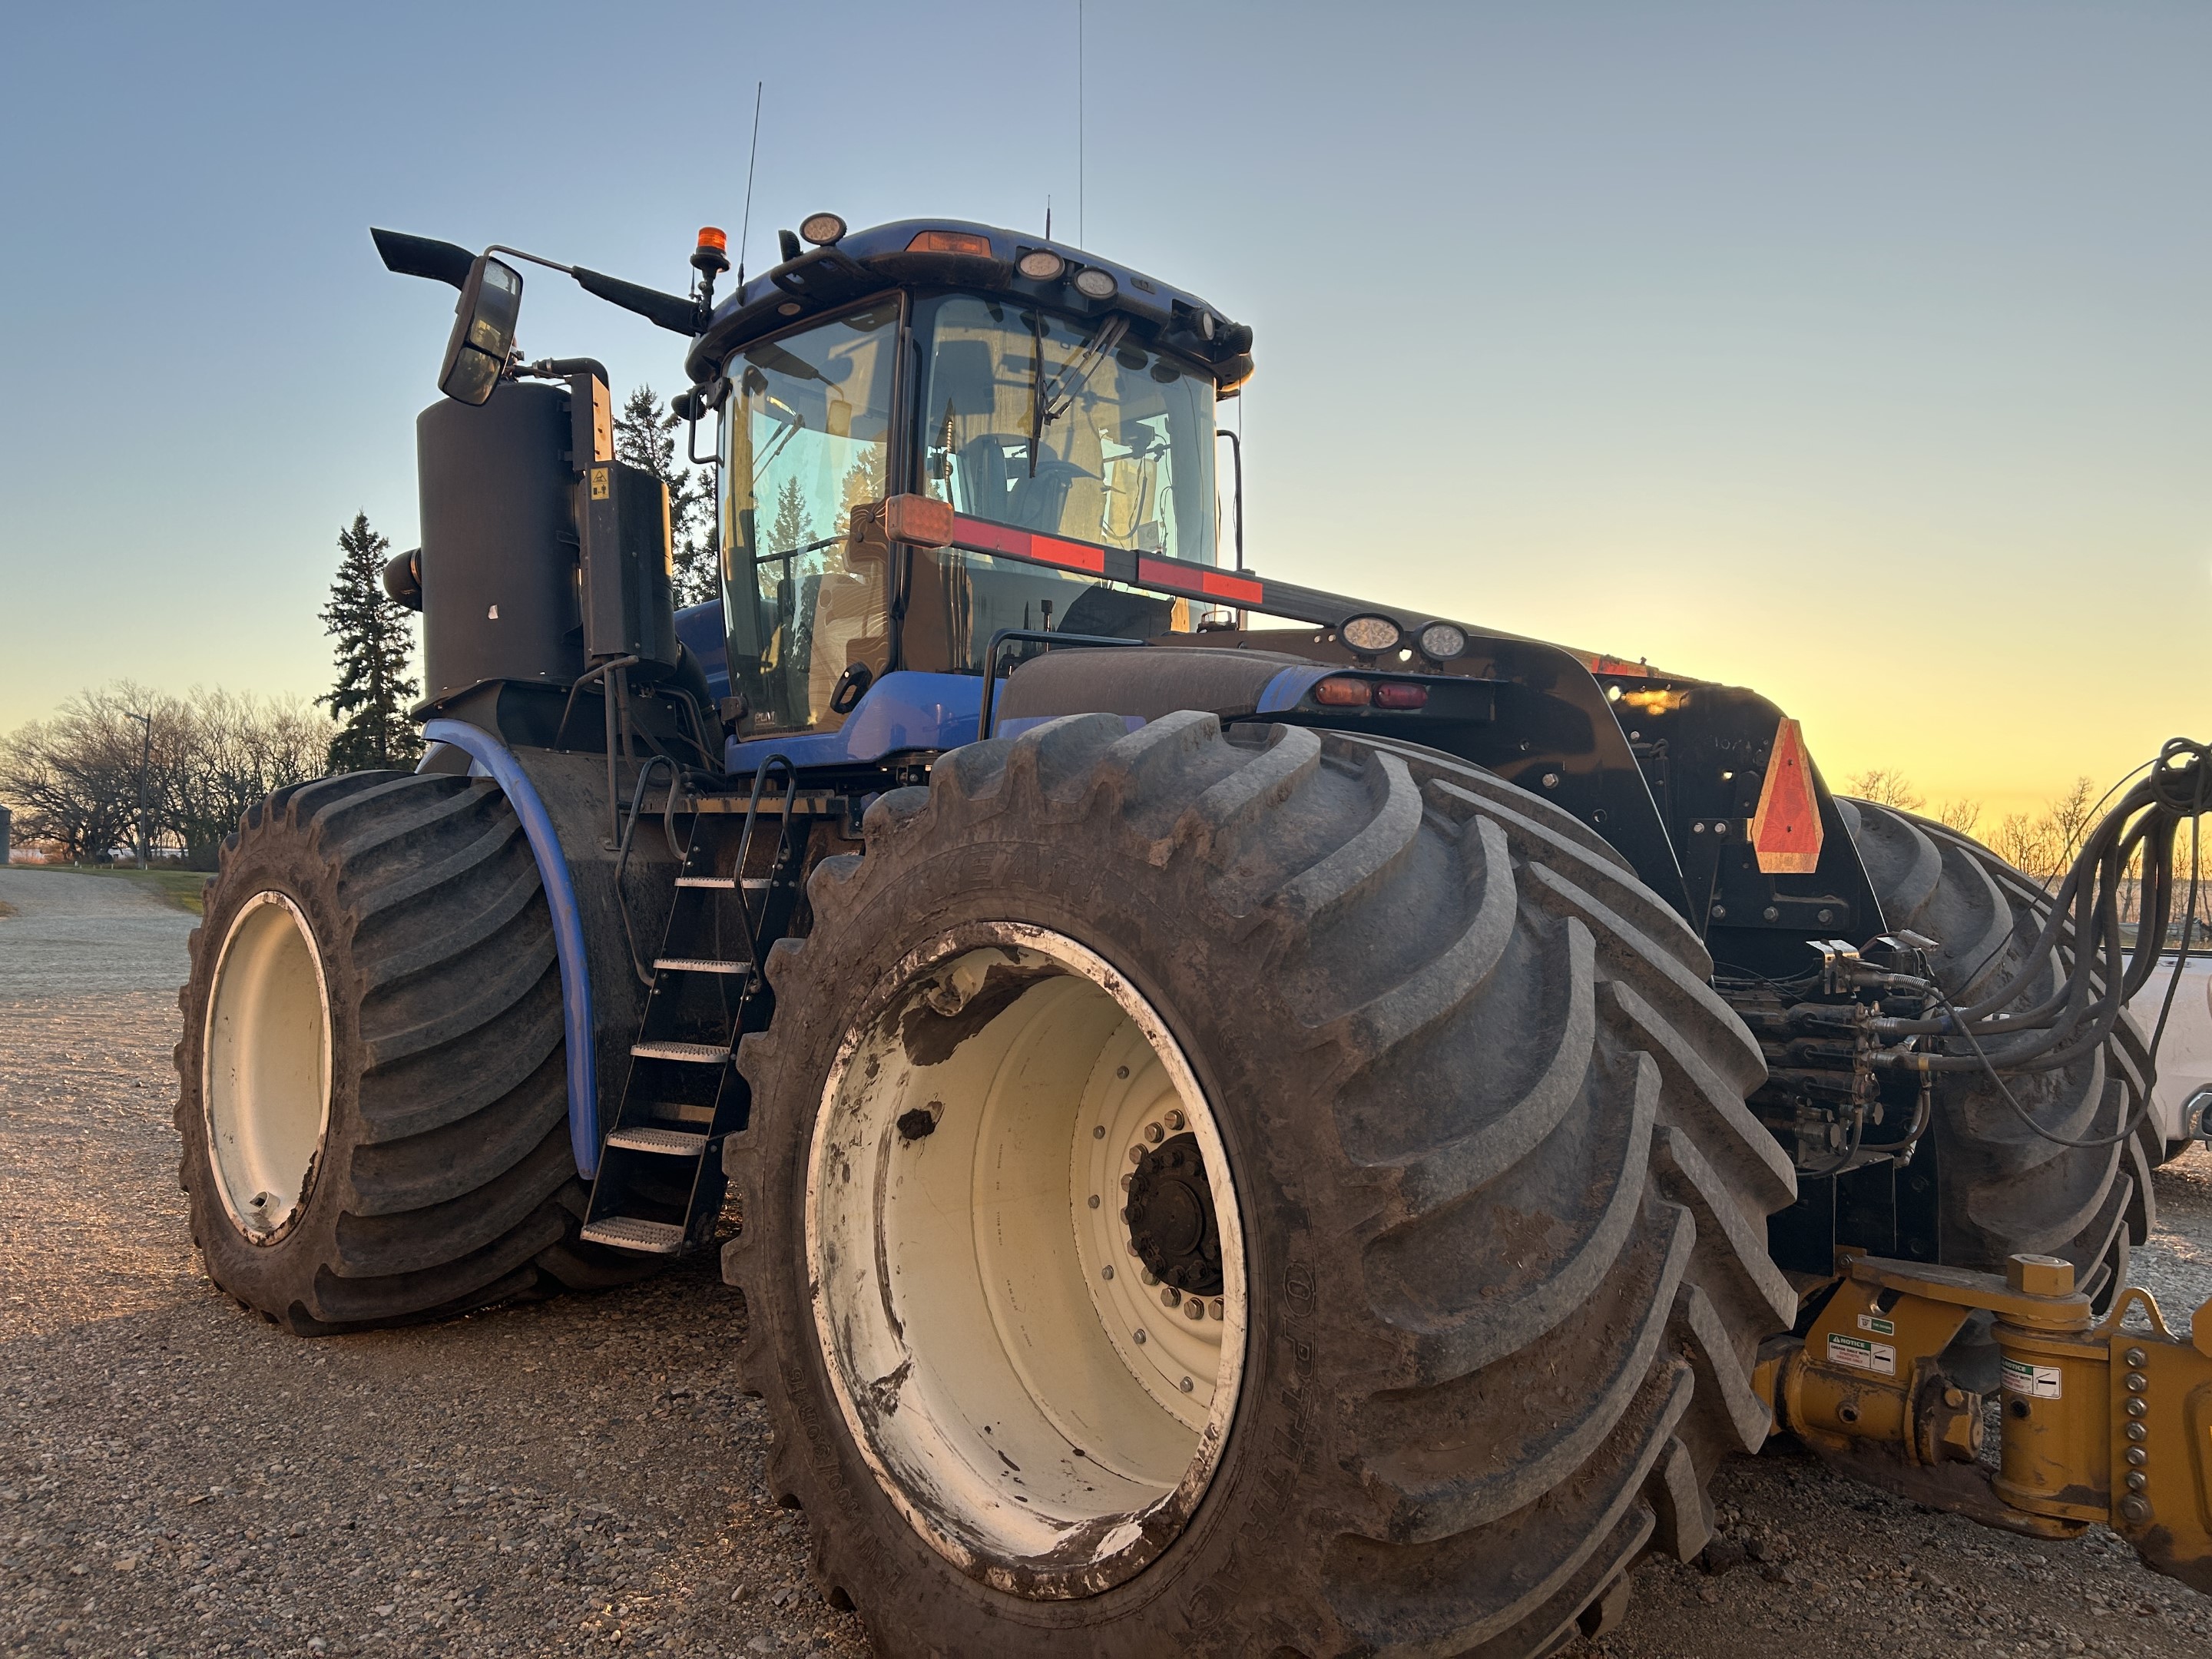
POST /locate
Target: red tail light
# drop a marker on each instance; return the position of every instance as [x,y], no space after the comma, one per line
[1401,695]
[1342,691]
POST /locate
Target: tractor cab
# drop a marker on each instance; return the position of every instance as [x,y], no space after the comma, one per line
[1070,426]
[1022,383]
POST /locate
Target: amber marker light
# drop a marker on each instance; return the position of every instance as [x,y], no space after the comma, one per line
[1342,691]
[950,241]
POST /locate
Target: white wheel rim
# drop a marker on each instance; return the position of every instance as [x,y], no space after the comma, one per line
[265,1080]
[1035,1409]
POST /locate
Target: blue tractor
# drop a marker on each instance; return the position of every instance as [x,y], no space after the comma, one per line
[1246,1119]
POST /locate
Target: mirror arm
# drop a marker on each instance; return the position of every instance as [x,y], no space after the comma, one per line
[669,310]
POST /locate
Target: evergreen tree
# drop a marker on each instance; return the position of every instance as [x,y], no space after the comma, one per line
[375,643]
[793,526]
[645,438]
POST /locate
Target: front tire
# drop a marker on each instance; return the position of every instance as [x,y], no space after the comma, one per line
[1490,1211]
[373,1103]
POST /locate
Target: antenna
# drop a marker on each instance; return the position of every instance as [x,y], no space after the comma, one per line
[1047,215]
[1080,236]
[746,224]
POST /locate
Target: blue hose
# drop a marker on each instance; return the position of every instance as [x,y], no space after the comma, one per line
[567,927]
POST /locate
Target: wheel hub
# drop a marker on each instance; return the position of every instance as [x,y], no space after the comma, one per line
[1170,1218]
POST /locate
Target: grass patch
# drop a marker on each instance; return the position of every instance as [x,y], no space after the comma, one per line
[178,889]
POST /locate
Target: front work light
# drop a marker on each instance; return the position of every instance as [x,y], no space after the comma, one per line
[1040,265]
[822,228]
[1095,284]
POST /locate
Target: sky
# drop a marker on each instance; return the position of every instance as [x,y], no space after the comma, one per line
[1857,354]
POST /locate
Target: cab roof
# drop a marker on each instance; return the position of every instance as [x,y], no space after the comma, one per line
[912,253]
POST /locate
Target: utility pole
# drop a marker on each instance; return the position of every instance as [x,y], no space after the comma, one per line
[145,761]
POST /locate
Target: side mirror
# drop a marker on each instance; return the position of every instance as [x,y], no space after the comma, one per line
[484,332]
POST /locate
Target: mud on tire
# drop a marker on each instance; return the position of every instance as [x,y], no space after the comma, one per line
[1504,1206]
[2005,1188]
[444,1179]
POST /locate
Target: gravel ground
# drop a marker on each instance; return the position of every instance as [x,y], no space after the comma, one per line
[177,1477]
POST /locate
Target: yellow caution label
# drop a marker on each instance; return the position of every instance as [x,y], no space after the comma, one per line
[599,483]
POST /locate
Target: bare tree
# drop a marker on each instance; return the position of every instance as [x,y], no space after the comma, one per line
[233,751]
[75,779]
[1886,787]
[1961,815]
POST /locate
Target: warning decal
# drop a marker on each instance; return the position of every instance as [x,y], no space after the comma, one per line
[1877,1324]
[1855,1353]
[2041,1381]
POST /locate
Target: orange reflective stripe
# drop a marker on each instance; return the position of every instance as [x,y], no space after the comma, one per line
[1075,555]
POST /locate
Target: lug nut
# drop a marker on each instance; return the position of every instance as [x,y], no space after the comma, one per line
[1128,1182]
[1217,1309]
[1149,1276]
[1169,1295]
[1174,1118]
[1194,1308]
[1154,1134]
[1136,1155]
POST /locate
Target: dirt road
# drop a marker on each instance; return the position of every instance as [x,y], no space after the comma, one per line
[177,1478]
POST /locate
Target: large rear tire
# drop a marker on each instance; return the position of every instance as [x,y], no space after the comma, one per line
[2003,1189]
[1490,1210]
[372,1100]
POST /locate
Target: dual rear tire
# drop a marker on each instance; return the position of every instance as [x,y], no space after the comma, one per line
[373,1103]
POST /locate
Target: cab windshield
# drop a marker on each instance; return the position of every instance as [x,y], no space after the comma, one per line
[1067,425]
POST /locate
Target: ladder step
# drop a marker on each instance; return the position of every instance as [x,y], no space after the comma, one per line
[677,1143]
[724,883]
[629,1232]
[696,1054]
[700,966]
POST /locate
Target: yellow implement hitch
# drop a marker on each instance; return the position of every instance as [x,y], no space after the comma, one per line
[2100,1422]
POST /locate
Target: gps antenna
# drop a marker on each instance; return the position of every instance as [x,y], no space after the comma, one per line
[746,225]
